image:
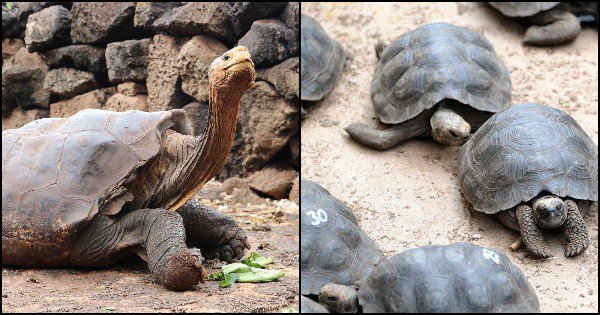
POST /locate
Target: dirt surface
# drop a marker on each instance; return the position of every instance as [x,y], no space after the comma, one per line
[409,196]
[272,228]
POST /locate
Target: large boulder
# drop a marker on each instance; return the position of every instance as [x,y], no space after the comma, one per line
[199,18]
[128,60]
[193,62]
[101,22]
[67,82]
[48,28]
[148,12]
[270,42]
[20,117]
[81,57]
[132,88]
[266,123]
[24,9]
[197,115]
[273,181]
[163,82]
[94,99]
[284,76]
[121,103]
[243,14]
[23,78]
[291,15]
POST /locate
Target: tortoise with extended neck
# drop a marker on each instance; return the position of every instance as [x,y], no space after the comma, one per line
[94,188]
[439,80]
[534,167]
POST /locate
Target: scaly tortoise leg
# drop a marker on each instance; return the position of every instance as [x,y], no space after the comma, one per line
[156,235]
[575,230]
[531,233]
[216,234]
[553,27]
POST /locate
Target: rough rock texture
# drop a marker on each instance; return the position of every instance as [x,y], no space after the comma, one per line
[48,28]
[243,14]
[9,23]
[10,46]
[20,117]
[284,76]
[81,57]
[291,15]
[132,88]
[266,123]
[122,103]
[273,181]
[199,18]
[23,81]
[94,99]
[240,191]
[295,191]
[101,22]
[193,62]
[197,116]
[67,82]
[163,83]
[128,60]
[147,12]
[24,9]
[270,41]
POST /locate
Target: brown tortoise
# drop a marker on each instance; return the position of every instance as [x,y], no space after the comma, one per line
[100,186]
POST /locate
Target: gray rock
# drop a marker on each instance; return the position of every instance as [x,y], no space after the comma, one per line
[48,28]
[243,14]
[284,76]
[67,82]
[273,181]
[132,88]
[81,57]
[197,116]
[101,22]
[23,81]
[291,15]
[147,12]
[163,83]
[270,42]
[199,18]
[24,9]
[128,60]
[193,62]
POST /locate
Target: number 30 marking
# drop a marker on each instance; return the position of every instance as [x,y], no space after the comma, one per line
[488,254]
[320,216]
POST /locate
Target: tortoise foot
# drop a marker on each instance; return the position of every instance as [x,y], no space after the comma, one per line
[232,250]
[183,270]
[518,243]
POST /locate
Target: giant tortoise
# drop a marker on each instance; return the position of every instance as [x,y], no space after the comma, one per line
[99,186]
[440,80]
[534,167]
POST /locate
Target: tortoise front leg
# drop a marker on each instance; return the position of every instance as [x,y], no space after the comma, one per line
[216,234]
[532,235]
[575,230]
[157,235]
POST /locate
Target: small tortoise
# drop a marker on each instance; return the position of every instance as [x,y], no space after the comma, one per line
[440,80]
[454,278]
[534,167]
[334,248]
[99,186]
[322,60]
[552,23]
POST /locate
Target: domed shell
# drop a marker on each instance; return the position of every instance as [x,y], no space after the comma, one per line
[455,278]
[522,9]
[524,150]
[58,173]
[438,61]
[334,248]
[322,60]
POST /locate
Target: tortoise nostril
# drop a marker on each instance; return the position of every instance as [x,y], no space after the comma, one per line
[453,134]
[332,298]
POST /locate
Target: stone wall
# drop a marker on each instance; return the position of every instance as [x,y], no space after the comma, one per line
[61,57]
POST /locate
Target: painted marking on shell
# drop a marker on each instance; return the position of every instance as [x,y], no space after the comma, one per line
[490,254]
[319,216]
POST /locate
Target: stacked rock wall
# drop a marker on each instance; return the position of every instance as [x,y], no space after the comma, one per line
[62,57]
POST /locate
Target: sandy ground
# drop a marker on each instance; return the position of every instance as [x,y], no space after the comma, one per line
[409,196]
[128,287]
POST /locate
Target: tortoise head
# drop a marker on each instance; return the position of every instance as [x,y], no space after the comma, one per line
[233,72]
[549,212]
[448,127]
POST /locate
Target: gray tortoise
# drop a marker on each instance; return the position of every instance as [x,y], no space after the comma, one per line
[334,247]
[552,23]
[457,278]
[535,168]
[440,80]
[100,186]
[322,60]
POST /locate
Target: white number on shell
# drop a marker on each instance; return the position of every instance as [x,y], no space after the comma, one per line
[489,254]
[320,216]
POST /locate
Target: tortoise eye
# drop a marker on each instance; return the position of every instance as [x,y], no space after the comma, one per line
[225,57]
